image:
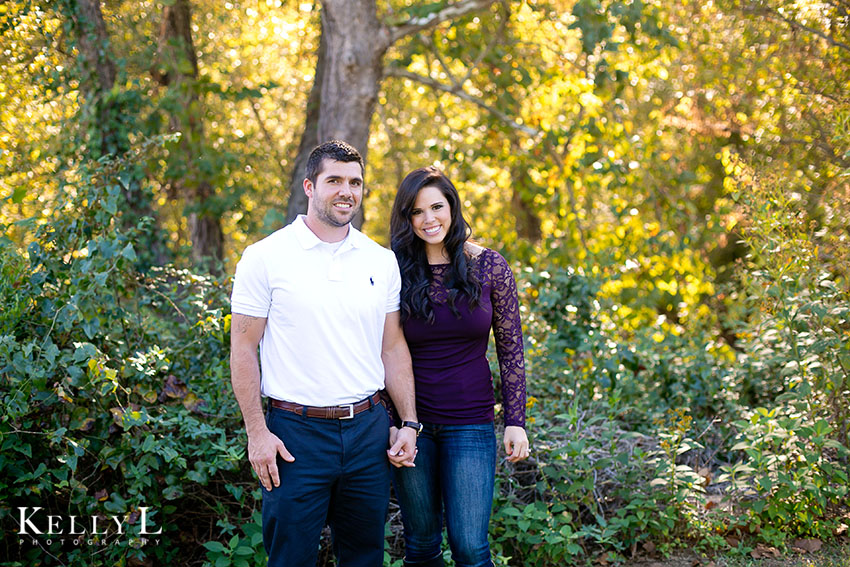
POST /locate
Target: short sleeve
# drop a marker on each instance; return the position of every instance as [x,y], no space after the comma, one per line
[251,293]
[394,288]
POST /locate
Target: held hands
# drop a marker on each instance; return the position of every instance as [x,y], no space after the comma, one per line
[263,449]
[402,449]
[516,443]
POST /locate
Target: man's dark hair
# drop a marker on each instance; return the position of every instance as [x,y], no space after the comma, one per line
[335,150]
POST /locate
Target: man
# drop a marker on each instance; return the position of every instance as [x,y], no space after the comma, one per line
[321,301]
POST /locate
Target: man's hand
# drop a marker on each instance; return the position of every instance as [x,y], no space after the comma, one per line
[516,443]
[402,449]
[263,449]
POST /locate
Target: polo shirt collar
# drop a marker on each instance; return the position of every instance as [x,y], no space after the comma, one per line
[308,239]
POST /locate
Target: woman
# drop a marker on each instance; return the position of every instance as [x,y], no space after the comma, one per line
[453,292]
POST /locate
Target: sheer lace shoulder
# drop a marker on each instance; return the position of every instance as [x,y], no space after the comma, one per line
[438,292]
[473,250]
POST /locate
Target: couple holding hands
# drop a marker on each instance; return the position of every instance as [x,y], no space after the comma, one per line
[373,363]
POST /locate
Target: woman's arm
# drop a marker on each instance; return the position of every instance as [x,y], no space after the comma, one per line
[507,331]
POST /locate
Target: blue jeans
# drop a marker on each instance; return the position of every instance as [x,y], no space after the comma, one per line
[340,476]
[455,469]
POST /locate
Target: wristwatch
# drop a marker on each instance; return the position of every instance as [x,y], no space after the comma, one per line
[417,426]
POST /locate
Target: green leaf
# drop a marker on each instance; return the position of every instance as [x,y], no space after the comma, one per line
[129,253]
[215,546]
[18,194]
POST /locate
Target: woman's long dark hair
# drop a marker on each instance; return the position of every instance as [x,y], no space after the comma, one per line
[409,249]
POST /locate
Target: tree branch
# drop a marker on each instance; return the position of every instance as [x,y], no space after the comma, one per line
[834,42]
[795,24]
[462,94]
[450,12]
[497,37]
[272,146]
[455,83]
[841,5]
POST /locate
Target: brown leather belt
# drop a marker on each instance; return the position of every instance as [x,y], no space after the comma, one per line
[344,411]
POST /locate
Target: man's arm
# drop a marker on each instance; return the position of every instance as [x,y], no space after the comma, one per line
[263,445]
[399,383]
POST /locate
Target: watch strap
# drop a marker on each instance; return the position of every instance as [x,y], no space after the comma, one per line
[413,425]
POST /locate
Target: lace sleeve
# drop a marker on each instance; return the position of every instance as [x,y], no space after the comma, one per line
[507,330]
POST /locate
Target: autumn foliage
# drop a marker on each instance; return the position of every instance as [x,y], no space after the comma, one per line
[669,180]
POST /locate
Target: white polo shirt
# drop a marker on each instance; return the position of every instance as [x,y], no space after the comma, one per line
[325,313]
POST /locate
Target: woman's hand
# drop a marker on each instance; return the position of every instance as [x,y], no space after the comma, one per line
[516,443]
[402,449]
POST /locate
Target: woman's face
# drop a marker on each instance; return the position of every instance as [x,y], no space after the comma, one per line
[431,216]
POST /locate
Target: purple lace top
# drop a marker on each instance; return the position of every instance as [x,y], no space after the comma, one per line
[453,380]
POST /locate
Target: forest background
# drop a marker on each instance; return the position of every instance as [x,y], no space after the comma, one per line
[669,180]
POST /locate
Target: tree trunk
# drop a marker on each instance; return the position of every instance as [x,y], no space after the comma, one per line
[349,72]
[92,43]
[526,221]
[309,139]
[205,231]
[356,43]
[179,70]
[98,77]
[110,117]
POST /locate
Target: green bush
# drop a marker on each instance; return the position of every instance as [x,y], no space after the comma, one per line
[115,388]
[651,439]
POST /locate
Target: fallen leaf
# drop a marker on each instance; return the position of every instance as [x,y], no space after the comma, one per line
[117,415]
[174,388]
[193,403]
[764,552]
[648,547]
[807,545]
[146,393]
[732,541]
[87,424]
[712,501]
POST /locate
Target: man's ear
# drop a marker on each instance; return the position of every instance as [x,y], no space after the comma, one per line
[308,188]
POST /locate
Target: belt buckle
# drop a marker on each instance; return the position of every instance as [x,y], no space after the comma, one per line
[350,411]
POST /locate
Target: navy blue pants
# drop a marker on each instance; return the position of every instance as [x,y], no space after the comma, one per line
[455,472]
[341,476]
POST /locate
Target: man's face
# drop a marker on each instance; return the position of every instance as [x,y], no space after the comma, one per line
[337,194]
